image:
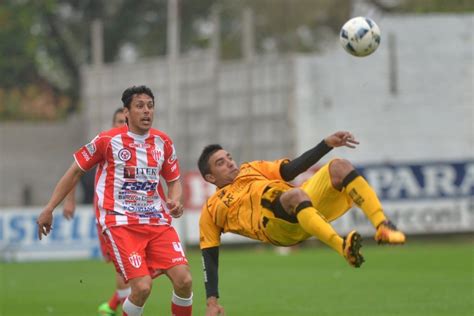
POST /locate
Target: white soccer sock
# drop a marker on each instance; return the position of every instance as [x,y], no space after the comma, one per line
[123,293]
[182,301]
[131,309]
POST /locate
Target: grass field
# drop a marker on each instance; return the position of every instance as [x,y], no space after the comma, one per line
[420,278]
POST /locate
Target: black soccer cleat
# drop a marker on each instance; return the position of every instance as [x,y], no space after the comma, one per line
[351,249]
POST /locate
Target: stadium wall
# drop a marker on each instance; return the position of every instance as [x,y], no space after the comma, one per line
[419,86]
[33,156]
[410,104]
[245,105]
[412,100]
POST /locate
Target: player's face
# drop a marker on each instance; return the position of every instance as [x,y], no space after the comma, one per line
[140,114]
[223,168]
[119,120]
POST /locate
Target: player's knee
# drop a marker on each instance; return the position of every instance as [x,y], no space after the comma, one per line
[142,289]
[292,198]
[183,283]
[339,169]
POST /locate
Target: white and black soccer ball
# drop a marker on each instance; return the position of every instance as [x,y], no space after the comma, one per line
[360,36]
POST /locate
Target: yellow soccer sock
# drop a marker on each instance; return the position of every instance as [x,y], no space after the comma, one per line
[313,223]
[364,196]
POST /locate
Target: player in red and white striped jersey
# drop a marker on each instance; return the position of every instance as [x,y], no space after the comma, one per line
[131,205]
[122,289]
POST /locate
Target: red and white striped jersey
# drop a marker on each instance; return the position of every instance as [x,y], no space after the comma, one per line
[127,185]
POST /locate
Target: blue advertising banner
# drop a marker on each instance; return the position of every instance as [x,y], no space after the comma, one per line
[19,241]
[421,198]
[430,180]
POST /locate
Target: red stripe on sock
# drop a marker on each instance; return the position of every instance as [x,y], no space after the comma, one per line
[177,310]
[115,301]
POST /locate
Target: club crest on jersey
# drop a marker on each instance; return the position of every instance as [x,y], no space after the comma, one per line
[135,260]
[124,154]
[156,154]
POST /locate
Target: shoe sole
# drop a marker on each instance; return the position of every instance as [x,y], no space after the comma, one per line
[354,250]
[381,241]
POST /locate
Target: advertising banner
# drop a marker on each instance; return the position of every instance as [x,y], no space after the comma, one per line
[421,198]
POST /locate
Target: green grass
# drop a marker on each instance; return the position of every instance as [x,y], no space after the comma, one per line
[421,278]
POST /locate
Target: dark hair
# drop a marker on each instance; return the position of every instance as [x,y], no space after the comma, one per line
[119,110]
[128,94]
[203,161]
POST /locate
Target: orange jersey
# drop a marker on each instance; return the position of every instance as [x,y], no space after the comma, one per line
[237,207]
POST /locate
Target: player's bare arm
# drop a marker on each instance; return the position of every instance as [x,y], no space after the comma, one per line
[175,192]
[64,186]
[69,206]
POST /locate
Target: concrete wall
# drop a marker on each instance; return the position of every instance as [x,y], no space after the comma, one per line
[33,156]
[412,103]
[243,105]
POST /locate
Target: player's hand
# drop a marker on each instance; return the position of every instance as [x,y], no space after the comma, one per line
[213,307]
[45,222]
[69,209]
[176,208]
[341,138]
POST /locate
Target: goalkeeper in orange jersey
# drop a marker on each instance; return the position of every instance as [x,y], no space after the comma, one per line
[257,201]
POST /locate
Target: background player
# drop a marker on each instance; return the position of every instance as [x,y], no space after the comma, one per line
[132,208]
[256,201]
[122,290]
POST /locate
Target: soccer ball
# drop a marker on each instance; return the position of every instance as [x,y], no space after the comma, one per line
[360,36]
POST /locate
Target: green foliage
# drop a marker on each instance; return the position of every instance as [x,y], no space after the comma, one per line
[26,89]
[46,42]
[33,101]
[416,279]
[17,45]
[281,26]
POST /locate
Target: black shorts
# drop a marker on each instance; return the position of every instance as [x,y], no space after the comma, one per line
[271,201]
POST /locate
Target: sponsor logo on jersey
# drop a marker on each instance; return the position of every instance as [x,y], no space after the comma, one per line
[124,154]
[140,209]
[138,172]
[156,154]
[129,172]
[130,196]
[135,260]
[145,215]
[138,145]
[140,186]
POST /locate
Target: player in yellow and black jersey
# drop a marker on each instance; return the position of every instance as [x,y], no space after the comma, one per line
[256,201]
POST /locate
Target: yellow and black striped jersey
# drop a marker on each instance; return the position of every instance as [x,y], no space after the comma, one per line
[237,207]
